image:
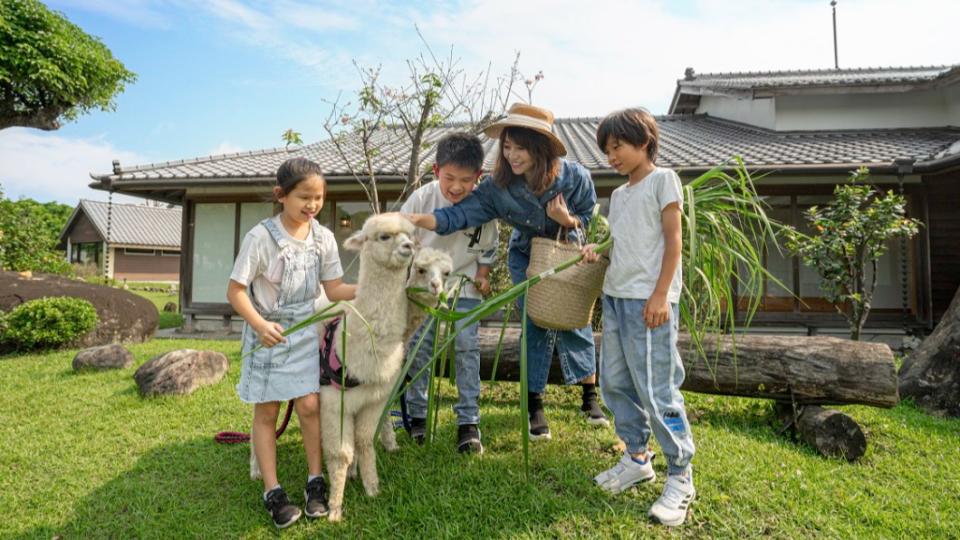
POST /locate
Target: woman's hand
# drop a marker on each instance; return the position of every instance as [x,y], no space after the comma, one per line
[270,333]
[589,255]
[558,211]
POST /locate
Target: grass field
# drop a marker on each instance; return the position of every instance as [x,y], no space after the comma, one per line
[159,299]
[84,456]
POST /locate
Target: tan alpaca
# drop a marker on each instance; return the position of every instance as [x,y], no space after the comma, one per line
[386,249]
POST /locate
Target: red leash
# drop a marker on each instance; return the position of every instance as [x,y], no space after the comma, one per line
[232,437]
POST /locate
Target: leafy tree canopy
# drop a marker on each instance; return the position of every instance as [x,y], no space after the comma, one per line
[50,69]
[29,232]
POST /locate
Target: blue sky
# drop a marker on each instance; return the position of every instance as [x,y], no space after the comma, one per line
[219,76]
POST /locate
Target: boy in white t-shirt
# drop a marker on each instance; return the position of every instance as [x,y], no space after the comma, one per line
[457,167]
[640,367]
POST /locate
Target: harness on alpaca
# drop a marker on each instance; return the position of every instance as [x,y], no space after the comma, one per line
[331,368]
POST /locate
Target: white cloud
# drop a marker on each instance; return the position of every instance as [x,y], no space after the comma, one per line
[225,147]
[49,167]
[603,55]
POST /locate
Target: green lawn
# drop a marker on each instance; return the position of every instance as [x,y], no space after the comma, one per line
[159,299]
[84,456]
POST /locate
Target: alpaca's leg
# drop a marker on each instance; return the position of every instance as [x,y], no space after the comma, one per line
[338,452]
[387,436]
[367,420]
[254,465]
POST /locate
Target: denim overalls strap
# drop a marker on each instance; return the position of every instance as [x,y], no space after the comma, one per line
[286,370]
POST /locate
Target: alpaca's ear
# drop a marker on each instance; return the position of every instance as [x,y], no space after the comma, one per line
[354,242]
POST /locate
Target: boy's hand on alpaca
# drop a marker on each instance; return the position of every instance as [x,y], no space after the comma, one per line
[558,211]
[656,311]
[270,333]
[589,255]
[482,284]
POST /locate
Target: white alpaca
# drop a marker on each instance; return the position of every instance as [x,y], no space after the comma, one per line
[386,248]
[430,271]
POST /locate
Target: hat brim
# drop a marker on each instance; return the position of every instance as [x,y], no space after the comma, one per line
[494,130]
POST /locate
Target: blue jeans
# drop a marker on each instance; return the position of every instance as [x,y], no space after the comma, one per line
[640,377]
[576,349]
[467,365]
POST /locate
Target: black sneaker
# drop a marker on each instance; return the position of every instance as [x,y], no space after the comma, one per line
[538,419]
[418,429]
[468,439]
[278,504]
[591,407]
[316,497]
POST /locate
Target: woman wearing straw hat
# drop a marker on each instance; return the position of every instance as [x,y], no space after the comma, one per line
[538,193]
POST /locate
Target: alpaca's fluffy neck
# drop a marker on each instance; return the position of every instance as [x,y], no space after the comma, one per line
[382,291]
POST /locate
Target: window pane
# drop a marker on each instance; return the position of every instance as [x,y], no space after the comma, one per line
[350,218]
[213,237]
[252,213]
[890,285]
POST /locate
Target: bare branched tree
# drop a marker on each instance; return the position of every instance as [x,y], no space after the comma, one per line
[386,132]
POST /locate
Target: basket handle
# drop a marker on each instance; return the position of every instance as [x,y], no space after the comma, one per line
[581,239]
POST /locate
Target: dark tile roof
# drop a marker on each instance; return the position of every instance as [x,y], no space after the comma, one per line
[132,224]
[687,142]
[816,77]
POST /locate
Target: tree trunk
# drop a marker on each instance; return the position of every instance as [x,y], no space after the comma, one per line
[812,370]
[832,433]
[931,375]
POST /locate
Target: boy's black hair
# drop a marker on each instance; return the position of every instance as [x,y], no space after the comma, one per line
[635,126]
[462,149]
[295,170]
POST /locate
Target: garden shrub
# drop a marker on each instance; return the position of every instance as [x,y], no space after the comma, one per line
[47,323]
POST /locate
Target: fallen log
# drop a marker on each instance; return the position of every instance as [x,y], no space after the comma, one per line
[830,432]
[810,370]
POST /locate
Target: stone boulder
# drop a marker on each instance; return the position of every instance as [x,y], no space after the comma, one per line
[123,317]
[103,357]
[180,372]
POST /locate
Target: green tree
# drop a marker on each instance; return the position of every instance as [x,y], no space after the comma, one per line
[850,235]
[29,232]
[50,69]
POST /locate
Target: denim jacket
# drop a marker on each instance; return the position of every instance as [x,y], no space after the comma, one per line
[519,207]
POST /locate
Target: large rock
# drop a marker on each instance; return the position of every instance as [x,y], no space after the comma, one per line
[123,317]
[180,372]
[103,357]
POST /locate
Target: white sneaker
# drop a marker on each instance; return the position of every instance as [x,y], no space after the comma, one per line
[671,508]
[626,474]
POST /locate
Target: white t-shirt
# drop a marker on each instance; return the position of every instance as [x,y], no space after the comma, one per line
[259,267]
[465,256]
[637,229]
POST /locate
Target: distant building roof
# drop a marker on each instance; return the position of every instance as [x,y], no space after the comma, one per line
[131,224]
[694,142]
[766,83]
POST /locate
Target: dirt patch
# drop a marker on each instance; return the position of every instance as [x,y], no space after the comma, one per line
[123,316]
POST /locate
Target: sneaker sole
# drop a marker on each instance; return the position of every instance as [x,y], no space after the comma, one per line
[470,447]
[540,437]
[313,516]
[602,421]
[633,484]
[289,523]
[675,522]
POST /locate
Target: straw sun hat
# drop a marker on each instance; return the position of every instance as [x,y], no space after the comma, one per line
[530,117]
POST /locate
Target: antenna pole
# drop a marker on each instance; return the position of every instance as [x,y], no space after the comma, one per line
[836,61]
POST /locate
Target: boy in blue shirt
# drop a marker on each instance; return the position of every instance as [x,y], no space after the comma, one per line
[640,367]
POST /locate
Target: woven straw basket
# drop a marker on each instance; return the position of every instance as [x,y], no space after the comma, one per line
[562,301]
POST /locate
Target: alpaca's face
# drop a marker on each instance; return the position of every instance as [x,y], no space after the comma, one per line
[430,271]
[386,239]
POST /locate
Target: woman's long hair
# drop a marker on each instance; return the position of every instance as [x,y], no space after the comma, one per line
[546,162]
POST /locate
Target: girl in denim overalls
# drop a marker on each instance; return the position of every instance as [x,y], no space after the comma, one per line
[537,193]
[275,281]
